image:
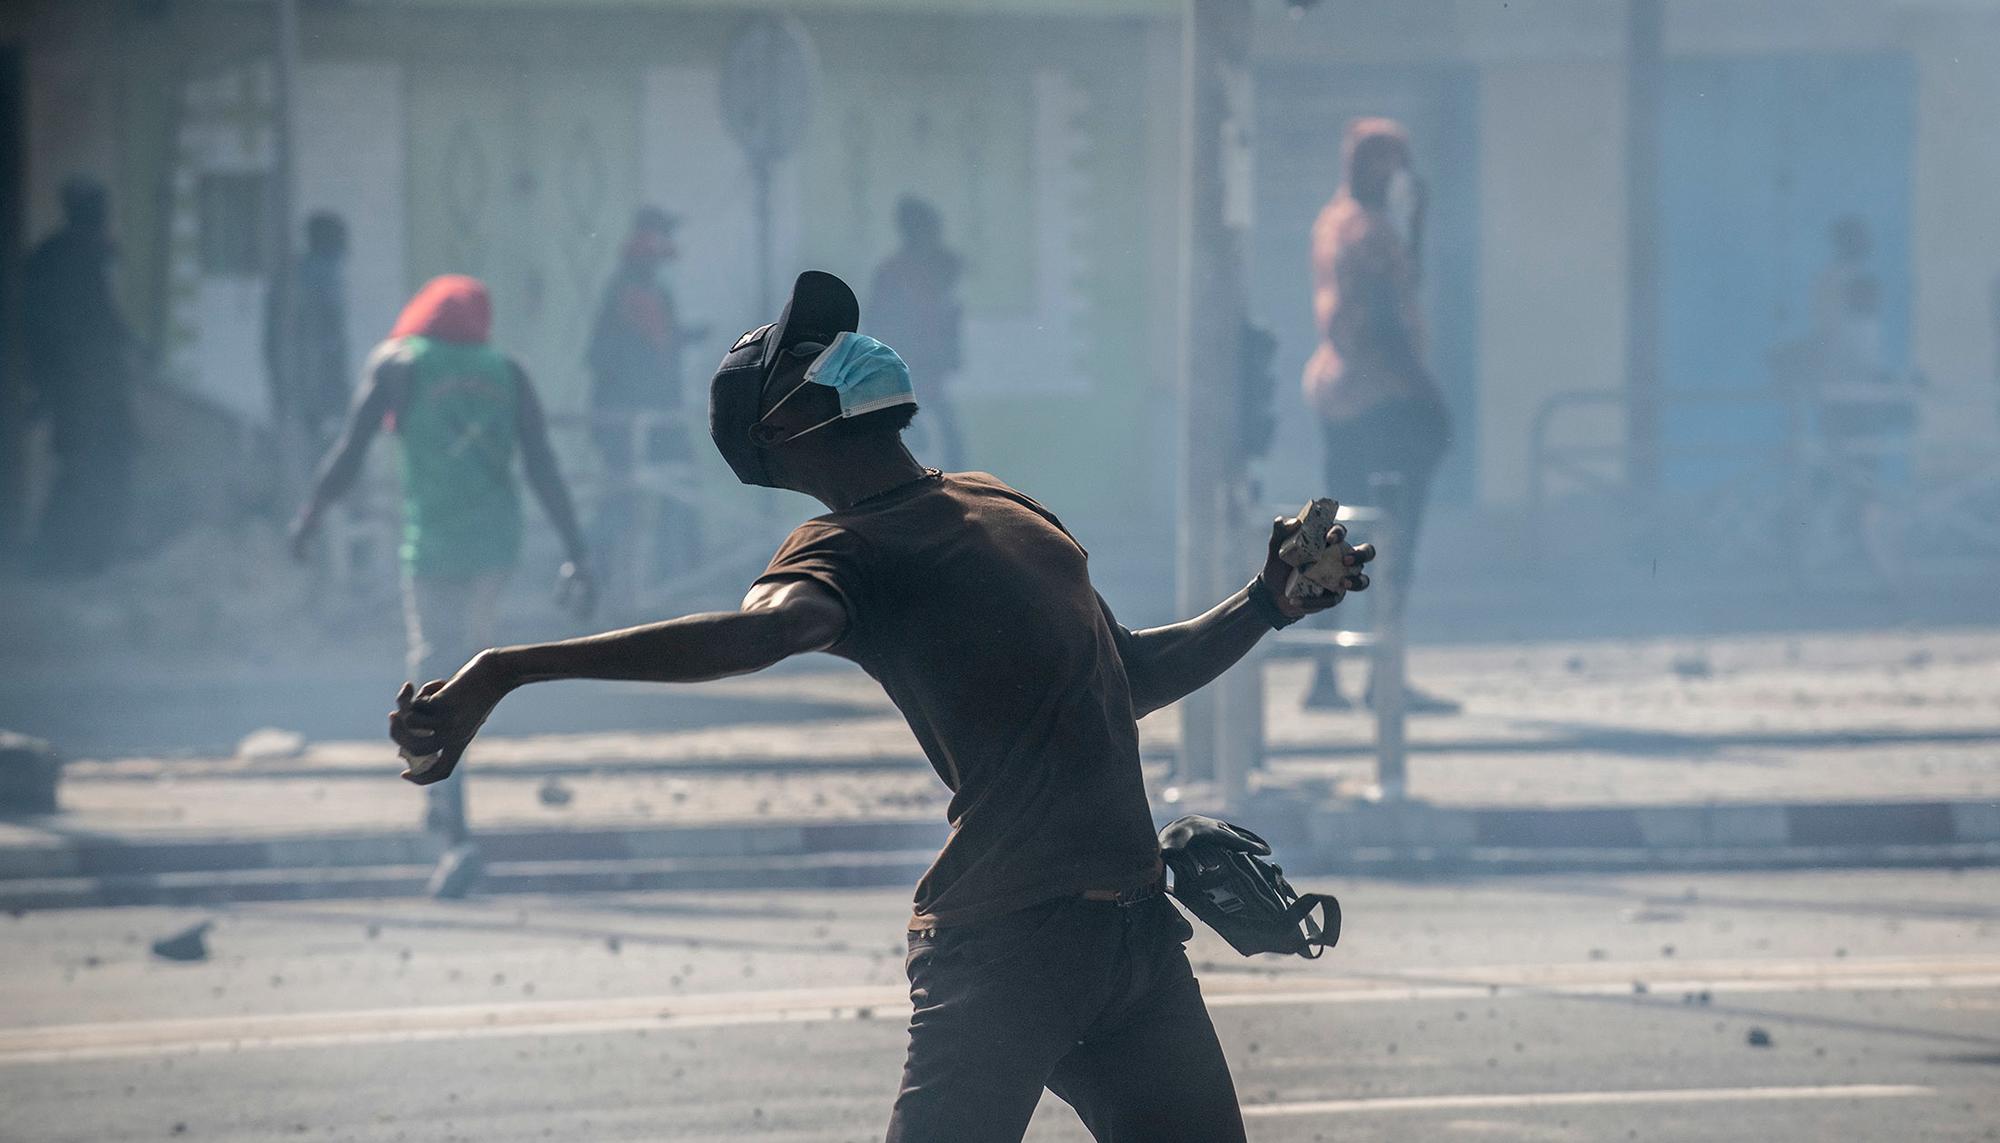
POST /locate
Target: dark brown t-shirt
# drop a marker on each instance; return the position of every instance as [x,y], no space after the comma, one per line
[973,608]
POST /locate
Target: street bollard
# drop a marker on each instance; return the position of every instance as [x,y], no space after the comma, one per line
[1386,682]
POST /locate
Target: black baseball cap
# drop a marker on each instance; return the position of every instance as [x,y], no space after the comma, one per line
[821,308]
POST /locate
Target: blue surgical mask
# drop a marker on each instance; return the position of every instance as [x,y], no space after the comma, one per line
[867,375]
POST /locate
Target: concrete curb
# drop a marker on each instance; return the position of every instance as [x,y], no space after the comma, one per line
[379,763]
[898,869]
[1406,839]
[1339,828]
[100,856]
[785,871]
[149,770]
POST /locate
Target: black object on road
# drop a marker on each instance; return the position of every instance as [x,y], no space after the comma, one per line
[190,944]
[29,774]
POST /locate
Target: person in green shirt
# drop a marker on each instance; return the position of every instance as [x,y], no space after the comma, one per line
[461,411]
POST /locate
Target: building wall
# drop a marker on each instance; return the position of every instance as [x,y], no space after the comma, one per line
[1551,134]
[1033,137]
[1102,99]
[1064,368]
[1956,243]
[1552,219]
[350,113]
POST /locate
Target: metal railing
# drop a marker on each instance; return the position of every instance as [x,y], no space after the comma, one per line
[1384,645]
[731,530]
[1586,465]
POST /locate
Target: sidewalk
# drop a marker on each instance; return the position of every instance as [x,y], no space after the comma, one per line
[1769,750]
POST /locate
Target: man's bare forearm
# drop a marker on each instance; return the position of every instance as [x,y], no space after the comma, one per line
[690,649]
[553,494]
[1165,664]
[335,478]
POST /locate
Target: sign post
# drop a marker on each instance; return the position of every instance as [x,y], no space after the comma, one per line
[769,74]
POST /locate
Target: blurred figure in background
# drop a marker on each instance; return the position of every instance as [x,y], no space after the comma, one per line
[1839,318]
[1862,406]
[461,409]
[1380,409]
[317,394]
[915,303]
[82,366]
[1993,310]
[634,358]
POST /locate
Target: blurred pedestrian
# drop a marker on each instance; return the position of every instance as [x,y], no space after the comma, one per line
[1993,315]
[315,395]
[1840,314]
[634,357]
[82,367]
[461,410]
[915,306]
[1042,951]
[1380,410]
[1862,405]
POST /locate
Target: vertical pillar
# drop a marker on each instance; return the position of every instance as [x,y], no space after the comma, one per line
[1215,51]
[1644,73]
[1386,682]
[294,461]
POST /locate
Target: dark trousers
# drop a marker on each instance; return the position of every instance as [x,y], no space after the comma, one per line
[1093,1000]
[85,524]
[1407,438]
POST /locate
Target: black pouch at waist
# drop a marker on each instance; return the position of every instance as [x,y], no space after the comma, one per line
[1219,872]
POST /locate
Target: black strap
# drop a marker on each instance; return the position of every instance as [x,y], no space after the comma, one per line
[1264,601]
[1323,934]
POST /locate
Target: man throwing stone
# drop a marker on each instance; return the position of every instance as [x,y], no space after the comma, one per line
[1042,952]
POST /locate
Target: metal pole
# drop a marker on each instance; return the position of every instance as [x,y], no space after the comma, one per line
[1387,682]
[288,420]
[760,178]
[1239,693]
[1214,51]
[1644,70]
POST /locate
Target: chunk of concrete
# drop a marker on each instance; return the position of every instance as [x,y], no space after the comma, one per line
[271,744]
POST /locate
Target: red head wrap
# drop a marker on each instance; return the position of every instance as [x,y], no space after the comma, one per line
[454,307]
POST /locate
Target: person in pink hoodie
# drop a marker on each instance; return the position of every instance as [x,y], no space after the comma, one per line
[1379,408]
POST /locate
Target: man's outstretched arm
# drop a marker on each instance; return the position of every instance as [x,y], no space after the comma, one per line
[775,622]
[1165,664]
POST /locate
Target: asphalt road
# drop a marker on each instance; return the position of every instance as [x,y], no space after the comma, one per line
[1574,1008]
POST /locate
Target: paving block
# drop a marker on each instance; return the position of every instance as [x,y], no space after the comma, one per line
[1871,823]
[1342,827]
[1580,828]
[1976,821]
[1747,825]
[1673,827]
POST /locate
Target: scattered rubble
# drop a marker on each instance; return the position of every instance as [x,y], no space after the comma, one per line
[554,793]
[271,744]
[455,873]
[1692,666]
[190,944]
